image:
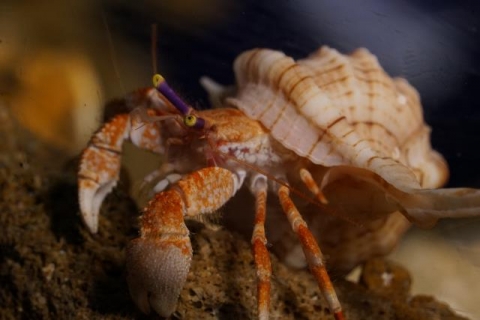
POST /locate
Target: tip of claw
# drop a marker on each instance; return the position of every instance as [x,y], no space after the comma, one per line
[91,222]
[87,210]
[156,274]
[90,197]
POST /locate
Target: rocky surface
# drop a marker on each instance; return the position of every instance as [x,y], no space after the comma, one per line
[52,268]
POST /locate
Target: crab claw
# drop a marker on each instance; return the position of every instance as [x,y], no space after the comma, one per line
[158,261]
[99,168]
[91,195]
[156,273]
[99,171]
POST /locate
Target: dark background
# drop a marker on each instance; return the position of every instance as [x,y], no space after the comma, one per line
[434,44]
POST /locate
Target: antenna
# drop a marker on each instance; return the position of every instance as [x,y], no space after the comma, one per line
[162,86]
[154,47]
[112,53]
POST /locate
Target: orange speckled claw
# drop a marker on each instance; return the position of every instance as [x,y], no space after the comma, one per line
[101,160]
[158,261]
[157,271]
[99,168]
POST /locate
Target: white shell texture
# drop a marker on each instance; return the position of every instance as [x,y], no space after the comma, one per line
[341,110]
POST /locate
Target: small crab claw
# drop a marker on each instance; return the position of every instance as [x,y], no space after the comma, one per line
[100,162]
[99,168]
[91,195]
[157,272]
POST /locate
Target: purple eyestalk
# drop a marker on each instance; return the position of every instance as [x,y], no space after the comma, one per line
[189,120]
[162,86]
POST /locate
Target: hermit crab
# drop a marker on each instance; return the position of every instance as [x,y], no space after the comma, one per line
[334,126]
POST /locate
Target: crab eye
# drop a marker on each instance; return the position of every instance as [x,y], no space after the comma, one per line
[157,80]
[190,120]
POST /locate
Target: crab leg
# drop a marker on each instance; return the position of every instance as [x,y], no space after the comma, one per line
[308,180]
[260,252]
[312,252]
[158,261]
[100,161]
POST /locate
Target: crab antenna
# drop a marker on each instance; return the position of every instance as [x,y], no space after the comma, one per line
[162,86]
[154,47]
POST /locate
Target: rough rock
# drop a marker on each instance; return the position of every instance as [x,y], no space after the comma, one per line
[52,268]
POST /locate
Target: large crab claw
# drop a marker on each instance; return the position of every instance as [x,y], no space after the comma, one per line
[157,271]
[158,261]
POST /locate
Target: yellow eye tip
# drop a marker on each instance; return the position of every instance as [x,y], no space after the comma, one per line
[190,120]
[157,80]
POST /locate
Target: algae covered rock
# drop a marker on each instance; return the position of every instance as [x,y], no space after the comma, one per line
[52,268]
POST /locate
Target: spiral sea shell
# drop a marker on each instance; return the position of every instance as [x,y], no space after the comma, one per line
[341,110]
[362,135]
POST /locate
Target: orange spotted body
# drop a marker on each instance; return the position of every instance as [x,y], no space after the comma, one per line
[331,125]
